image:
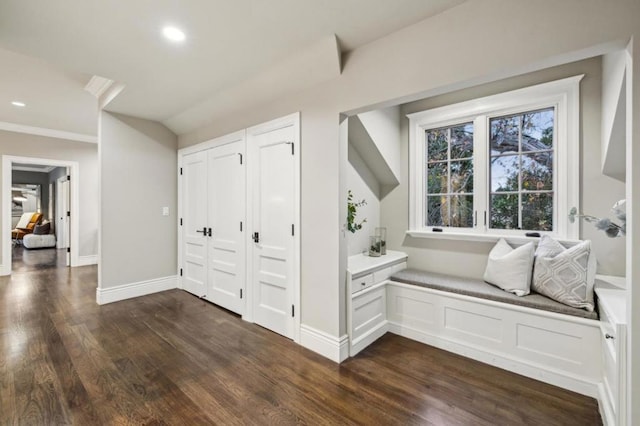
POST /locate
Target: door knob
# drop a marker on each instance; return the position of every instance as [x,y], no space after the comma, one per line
[204,231]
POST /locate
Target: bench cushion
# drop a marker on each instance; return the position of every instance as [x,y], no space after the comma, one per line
[478,288]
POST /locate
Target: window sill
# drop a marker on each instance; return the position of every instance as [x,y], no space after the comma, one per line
[471,236]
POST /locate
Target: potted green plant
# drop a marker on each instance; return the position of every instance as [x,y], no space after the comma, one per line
[352,207]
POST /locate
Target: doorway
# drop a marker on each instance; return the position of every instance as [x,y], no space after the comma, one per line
[53,201]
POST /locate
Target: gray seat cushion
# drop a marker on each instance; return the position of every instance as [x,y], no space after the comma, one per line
[478,288]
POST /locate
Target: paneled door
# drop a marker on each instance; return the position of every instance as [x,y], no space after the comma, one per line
[194,223]
[273,217]
[226,210]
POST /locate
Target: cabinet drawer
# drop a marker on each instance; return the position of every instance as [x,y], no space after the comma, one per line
[606,324]
[609,334]
[398,267]
[369,310]
[610,370]
[381,275]
[361,283]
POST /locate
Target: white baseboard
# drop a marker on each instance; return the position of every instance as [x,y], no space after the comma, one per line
[141,288]
[87,260]
[336,349]
[3,271]
[555,377]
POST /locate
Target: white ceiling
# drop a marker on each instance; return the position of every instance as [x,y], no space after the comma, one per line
[228,42]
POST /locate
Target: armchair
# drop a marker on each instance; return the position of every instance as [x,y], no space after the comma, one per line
[25,225]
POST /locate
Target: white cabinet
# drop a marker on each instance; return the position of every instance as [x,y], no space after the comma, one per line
[367,307]
[612,305]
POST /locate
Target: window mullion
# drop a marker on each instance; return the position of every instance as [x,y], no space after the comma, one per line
[449,188]
[480,171]
[520,123]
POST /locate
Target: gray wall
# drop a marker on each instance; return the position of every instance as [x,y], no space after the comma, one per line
[138,160]
[86,154]
[474,43]
[42,179]
[598,192]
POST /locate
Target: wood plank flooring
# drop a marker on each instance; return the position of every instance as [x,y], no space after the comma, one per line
[172,359]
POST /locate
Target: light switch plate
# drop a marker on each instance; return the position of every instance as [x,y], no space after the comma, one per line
[165,211]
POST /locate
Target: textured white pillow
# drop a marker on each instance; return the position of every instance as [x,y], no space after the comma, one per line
[509,268]
[565,274]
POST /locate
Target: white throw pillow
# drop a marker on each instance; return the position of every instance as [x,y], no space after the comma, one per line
[566,275]
[509,268]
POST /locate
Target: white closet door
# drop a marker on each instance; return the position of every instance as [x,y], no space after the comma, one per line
[273,216]
[227,200]
[194,215]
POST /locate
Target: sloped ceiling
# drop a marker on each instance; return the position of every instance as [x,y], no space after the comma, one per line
[228,43]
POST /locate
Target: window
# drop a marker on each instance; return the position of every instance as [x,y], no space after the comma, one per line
[501,165]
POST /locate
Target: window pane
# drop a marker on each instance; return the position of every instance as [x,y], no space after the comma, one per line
[437,178]
[437,144]
[537,130]
[437,208]
[537,171]
[504,135]
[461,207]
[462,176]
[449,169]
[504,173]
[537,211]
[462,141]
[504,211]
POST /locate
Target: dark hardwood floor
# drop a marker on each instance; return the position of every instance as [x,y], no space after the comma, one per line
[172,359]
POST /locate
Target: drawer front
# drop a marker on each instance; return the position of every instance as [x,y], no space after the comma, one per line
[361,283]
[369,310]
[398,267]
[609,334]
[605,322]
[381,275]
[610,370]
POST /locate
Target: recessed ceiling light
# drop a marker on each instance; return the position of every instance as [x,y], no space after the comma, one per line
[18,104]
[173,34]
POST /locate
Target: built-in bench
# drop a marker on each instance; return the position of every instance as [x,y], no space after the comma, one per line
[530,335]
[482,290]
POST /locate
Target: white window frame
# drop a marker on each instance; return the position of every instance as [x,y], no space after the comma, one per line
[563,94]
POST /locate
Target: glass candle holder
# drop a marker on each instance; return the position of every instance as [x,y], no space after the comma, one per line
[375,246]
[382,233]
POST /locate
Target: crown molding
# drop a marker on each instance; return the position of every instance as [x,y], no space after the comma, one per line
[33,169]
[52,133]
